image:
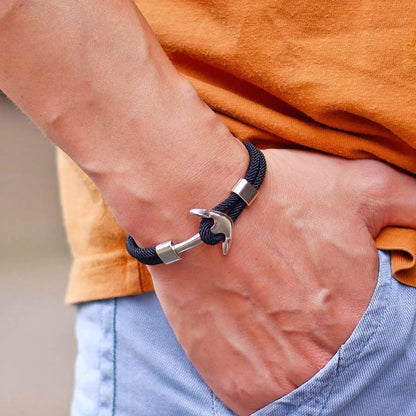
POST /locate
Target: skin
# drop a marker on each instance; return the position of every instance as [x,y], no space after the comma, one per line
[260,321]
[297,279]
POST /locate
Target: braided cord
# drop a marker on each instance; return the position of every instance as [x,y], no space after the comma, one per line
[233,206]
[144,255]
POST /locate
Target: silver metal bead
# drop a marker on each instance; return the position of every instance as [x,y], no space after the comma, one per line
[245,190]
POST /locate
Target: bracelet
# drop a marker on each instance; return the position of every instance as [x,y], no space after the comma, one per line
[216,224]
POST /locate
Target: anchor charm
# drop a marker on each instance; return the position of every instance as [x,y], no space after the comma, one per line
[223,224]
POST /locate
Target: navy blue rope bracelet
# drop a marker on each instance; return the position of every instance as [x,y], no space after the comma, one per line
[216,224]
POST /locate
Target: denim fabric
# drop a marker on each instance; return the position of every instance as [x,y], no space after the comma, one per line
[130,364]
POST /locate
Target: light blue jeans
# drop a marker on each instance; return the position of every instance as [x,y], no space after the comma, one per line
[130,364]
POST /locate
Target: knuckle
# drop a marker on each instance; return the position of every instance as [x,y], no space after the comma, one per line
[376,179]
[376,185]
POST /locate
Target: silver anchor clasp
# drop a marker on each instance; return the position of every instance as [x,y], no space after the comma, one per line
[223,224]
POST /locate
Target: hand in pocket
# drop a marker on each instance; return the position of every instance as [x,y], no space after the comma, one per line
[262,320]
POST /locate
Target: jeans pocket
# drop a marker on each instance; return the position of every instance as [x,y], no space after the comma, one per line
[311,397]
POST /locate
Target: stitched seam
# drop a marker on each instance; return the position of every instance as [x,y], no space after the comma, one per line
[344,364]
[375,329]
[212,403]
[113,410]
[315,392]
[331,385]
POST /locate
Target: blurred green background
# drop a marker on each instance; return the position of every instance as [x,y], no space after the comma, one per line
[37,346]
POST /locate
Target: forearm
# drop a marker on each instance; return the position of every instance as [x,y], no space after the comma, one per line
[94,78]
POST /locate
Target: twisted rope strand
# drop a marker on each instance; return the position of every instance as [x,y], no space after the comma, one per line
[232,206]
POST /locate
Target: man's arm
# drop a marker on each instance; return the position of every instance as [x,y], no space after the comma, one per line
[263,319]
[96,81]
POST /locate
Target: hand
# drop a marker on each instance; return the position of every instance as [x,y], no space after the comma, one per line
[302,267]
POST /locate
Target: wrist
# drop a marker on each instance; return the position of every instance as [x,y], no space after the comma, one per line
[216,223]
[161,212]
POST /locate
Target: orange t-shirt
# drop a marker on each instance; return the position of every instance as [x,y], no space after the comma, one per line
[330,75]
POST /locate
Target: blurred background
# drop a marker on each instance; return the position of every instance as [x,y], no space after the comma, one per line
[37,346]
